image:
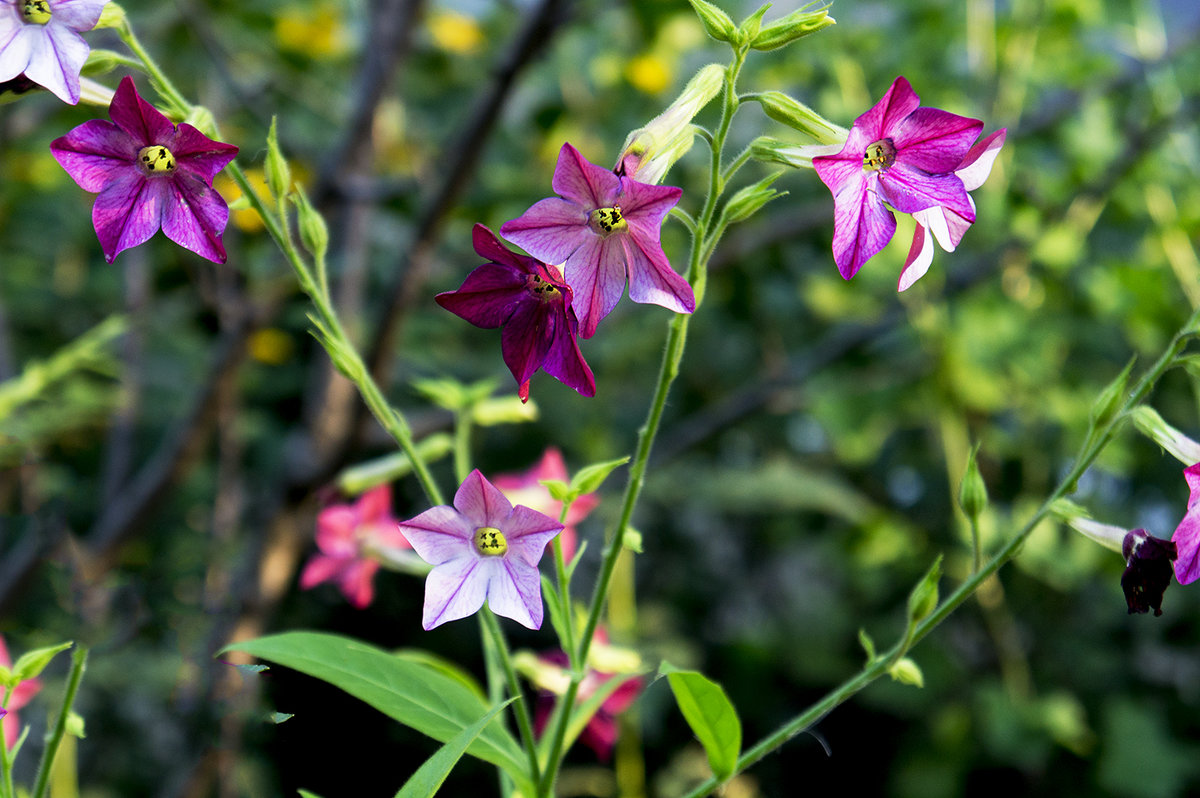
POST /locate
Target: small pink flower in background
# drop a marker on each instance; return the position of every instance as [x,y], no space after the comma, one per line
[525,488]
[149,174]
[899,156]
[351,537]
[1187,534]
[481,549]
[40,40]
[20,697]
[530,303]
[605,231]
[605,663]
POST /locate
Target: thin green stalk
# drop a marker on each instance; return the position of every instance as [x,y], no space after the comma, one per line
[6,783]
[668,371]
[1089,451]
[564,592]
[78,666]
[524,724]
[462,443]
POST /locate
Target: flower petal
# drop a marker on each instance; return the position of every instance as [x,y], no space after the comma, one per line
[196,153]
[582,182]
[137,117]
[934,140]
[1187,534]
[564,362]
[514,590]
[17,42]
[551,230]
[488,296]
[651,278]
[78,15]
[439,534]
[920,256]
[194,216]
[977,164]
[127,213]
[375,505]
[335,531]
[358,582]
[893,107]
[528,532]
[482,503]
[453,590]
[56,60]
[320,568]
[862,226]
[96,153]
[647,204]
[527,337]
[596,274]
[910,190]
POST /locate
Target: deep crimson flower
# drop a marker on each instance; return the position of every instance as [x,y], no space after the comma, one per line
[604,230]
[481,549]
[149,174]
[21,696]
[1187,534]
[1147,570]
[900,157]
[526,489]
[530,303]
[351,537]
[40,40]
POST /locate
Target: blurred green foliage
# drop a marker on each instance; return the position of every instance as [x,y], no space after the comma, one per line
[809,461]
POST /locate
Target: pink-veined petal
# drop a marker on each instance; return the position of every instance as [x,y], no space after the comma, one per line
[196,153]
[78,15]
[96,153]
[482,502]
[565,362]
[194,216]
[551,230]
[528,532]
[1187,534]
[977,165]
[934,140]
[453,590]
[56,61]
[439,534]
[17,41]
[651,278]
[862,226]
[911,190]
[920,256]
[582,182]
[596,274]
[839,173]
[514,590]
[647,204]
[488,297]
[127,213]
[137,117]
[896,103]
[526,338]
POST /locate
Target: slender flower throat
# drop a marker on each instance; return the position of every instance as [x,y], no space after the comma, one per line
[156,160]
[879,156]
[35,12]
[490,541]
[606,221]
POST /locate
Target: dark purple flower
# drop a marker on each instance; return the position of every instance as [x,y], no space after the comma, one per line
[604,230]
[1147,570]
[149,174]
[40,40]
[901,157]
[531,304]
[1187,534]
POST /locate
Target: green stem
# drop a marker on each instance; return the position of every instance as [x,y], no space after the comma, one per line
[78,666]
[161,82]
[524,724]
[1089,451]
[462,443]
[6,779]
[668,371]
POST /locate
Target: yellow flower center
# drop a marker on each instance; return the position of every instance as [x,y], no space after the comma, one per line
[36,12]
[156,160]
[490,541]
[541,289]
[606,221]
[879,156]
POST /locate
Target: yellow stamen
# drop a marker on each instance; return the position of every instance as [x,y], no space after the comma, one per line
[490,541]
[606,221]
[156,160]
[36,12]
[879,156]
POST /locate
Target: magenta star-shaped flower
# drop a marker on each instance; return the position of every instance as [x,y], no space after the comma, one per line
[1187,534]
[21,696]
[604,230]
[149,174]
[40,39]
[351,537]
[900,157]
[481,549]
[532,306]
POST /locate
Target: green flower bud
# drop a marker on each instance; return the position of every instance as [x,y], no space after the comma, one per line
[279,175]
[100,62]
[905,671]
[799,116]
[924,597]
[314,235]
[1109,402]
[752,24]
[1151,424]
[972,492]
[747,201]
[650,151]
[716,22]
[111,16]
[795,25]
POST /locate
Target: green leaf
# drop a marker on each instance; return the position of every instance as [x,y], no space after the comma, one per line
[711,715]
[559,490]
[868,645]
[409,692]
[444,666]
[556,611]
[34,662]
[307,794]
[429,777]
[280,717]
[589,478]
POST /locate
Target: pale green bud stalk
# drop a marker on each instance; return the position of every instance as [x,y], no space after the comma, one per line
[100,62]
[798,116]
[796,25]
[797,156]
[1151,424]
[1107,535]
[650,151]
[111,16]
[94,93]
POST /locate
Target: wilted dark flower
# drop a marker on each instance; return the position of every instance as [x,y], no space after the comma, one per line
[1147,570]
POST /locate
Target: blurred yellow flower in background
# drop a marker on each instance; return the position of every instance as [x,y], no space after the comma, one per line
[454,32]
